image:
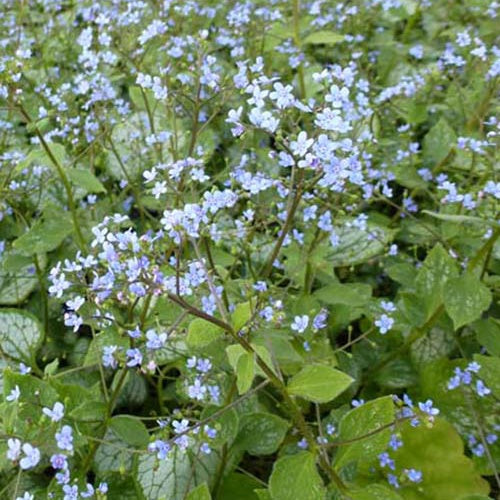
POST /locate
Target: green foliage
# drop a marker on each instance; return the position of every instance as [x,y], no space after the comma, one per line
[130,430]
[296,476]
[438,142]
[249,250]
[173,477]
[261,433]
[20,335]
[201,492]
[465,298]
[319,383]
[86,180]
[436,270]
[323,38]
[365,420]
[201,333]
[438,453]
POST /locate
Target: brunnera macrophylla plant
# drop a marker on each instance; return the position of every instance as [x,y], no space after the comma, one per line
[249,249]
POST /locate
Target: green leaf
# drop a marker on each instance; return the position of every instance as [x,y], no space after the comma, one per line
[136,96]
[226,425]
[122,488]
[263,494]
[245,372]
[45,236]
[488,334]
[453,406]
[281,349]
[456,218]
[131,430]
[134,391]
[33,390]
[397,374]
[402,273]
[202,333]
[51,368]
[18,277]
[201,492]
[113,455]
[436,270]
[86,180]
[439,342]
[363,420]
[238,486]
[375,492]
[350,294]
[323,37]
[40,156]
[107,337]
[465,298]
[490,372]
[90,411]
[20,334]
[438,452]
[319,383]
[438,142]
[261,433]
[296,477]
[235,351]
[172,477]
[34,393]
[356,246]
[242,313]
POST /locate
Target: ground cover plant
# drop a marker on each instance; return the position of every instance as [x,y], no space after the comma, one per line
[249,250]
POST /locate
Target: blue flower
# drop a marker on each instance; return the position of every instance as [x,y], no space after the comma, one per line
[31,456]
[384,323]
[64,438]
[59,461]
[481,389]
[108,359]
[300,323]
[386,461]
[13,395]
[161,448]
[415,476]
[70,492]
[393,480]
[155,341]
[428,408]
[14,449]
[56,414]
[135,357]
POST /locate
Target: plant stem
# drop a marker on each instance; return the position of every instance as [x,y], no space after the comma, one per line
[296,36]
[295,411]
[62,175]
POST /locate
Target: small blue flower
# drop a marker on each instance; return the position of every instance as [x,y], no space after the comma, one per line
[59,461]
[70,492]
[31,456]
[386,461]
[395,442]
[300,323]
[415,476]
[384,323]
[108,359]
[135,357]
[428,408]
[13,395]
[481,389]
[56,414]
[302,444]
[393,480]
[64,438]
